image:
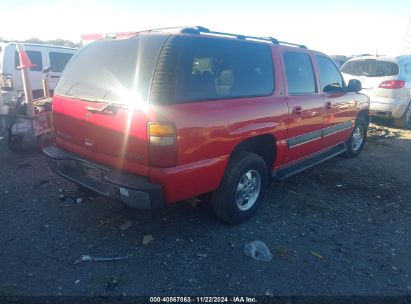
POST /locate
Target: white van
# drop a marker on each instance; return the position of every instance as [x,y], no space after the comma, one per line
[42,56]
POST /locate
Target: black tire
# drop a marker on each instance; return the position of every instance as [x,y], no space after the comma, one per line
[404,121]
[15,143]
[225,202]
[354,147]
[43,141]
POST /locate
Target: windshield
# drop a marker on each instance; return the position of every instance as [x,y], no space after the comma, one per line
[117,71]
[370,68]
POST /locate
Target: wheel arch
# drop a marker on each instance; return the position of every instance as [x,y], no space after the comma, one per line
[364,114]
[263,145]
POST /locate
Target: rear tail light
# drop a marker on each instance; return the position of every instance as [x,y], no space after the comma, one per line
[392,84]
[162,145]
[6,82]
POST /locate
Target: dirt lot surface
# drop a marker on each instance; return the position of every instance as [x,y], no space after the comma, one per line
[341,228]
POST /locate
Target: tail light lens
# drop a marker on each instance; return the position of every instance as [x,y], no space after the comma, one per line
[392,84]
[162,145]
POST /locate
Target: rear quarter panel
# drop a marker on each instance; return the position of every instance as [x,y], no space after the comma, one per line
[207,133]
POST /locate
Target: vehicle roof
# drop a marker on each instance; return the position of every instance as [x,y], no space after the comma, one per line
[37,45]
[383,58]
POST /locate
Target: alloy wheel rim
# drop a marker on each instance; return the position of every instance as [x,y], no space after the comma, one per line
[357,138]
[248,190]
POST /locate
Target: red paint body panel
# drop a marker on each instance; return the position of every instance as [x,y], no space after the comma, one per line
[189,180]
[342,108]
[117,140]
[310,120]
[213,128]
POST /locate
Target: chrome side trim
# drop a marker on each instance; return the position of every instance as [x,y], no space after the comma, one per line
[337,128]
[304,138]
[311,136]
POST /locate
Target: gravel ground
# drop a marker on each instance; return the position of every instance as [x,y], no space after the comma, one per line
[341,228]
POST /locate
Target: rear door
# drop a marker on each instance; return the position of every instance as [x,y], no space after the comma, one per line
[305,104]
[339,106]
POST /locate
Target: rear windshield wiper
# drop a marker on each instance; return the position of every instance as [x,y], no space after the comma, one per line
[107,109]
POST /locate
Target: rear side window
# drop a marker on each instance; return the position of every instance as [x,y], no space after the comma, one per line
[370,68]
[58,61]
[215,68]
[407,68]
[330,78]
[300,74]
[35,58]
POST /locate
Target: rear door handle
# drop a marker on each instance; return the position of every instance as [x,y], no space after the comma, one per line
[297,110]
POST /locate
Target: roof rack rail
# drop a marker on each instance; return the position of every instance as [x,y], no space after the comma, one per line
[202,30]
[292,44]
[181,29]
[197,30]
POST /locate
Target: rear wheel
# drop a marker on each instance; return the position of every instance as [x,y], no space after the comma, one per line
[356,142]
[15,143]
[43,141]
[405,120]
[242,189]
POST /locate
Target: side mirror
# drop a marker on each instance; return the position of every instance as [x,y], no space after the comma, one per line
[354,85]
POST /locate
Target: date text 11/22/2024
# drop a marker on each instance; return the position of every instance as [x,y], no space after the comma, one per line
[203,300]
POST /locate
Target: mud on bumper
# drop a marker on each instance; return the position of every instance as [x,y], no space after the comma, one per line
[135,191]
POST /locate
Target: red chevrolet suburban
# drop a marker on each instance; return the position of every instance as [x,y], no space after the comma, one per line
[165,115]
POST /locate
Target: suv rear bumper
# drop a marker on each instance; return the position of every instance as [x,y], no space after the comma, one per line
[388,108]
[135,191]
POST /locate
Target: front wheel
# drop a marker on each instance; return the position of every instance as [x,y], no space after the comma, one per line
[242,189]
[356,142]
[405,120]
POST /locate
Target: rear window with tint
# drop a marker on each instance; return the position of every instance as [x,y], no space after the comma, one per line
[58,61]
[112,70]
[370,68]
[215,68]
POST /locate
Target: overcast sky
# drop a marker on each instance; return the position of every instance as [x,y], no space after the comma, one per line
[334,27]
